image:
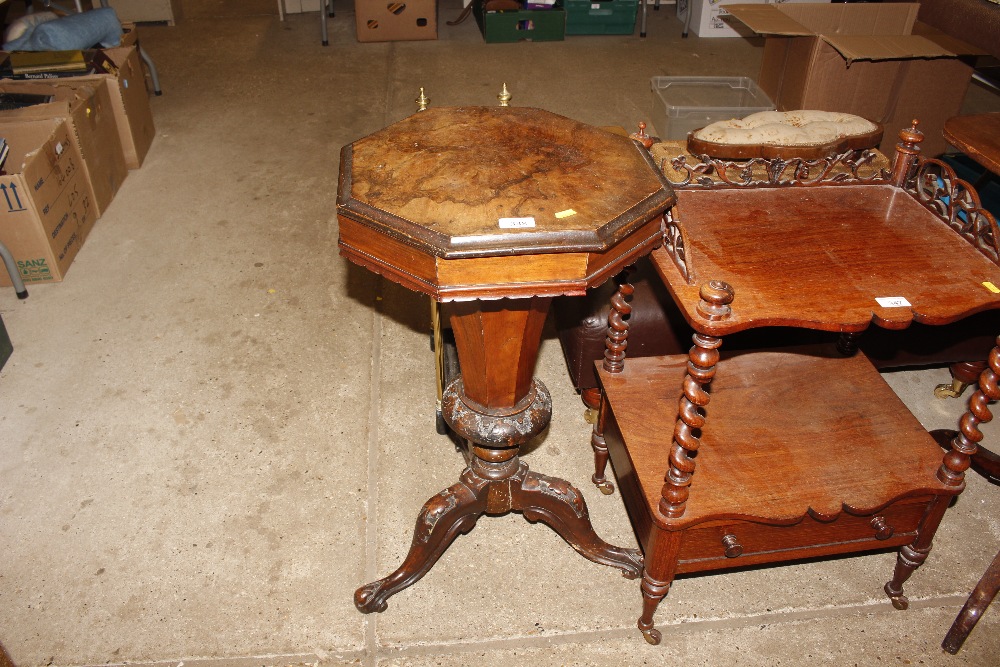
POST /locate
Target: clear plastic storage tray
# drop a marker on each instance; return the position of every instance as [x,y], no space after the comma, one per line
[685,103]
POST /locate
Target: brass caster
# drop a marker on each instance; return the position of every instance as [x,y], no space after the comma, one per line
[590,415]
[900,602]
[652,636]
[606,487]
[953,390]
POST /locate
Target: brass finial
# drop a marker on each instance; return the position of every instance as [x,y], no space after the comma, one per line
[642,137]
[504,96]
[422,101]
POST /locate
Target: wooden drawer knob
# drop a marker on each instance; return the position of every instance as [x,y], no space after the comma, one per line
[883,530]
[732,545]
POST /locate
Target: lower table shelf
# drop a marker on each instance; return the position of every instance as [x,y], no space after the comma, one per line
[803,453]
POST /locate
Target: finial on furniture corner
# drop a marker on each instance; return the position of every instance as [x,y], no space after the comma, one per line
[907,151]
[422,101]
[504,96]
[911,135]
[715,297]
[642,137]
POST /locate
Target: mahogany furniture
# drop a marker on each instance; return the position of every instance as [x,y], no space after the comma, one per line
[980,598]
[497,210]
[657,326]
[978,136]
[763,456]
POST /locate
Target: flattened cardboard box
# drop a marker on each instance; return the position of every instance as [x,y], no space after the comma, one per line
[45,207]
[872,60]
[93,125]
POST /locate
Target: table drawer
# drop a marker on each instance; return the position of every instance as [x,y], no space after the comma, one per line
[721,544]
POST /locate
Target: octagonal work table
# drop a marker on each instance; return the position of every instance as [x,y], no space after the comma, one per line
[497,209]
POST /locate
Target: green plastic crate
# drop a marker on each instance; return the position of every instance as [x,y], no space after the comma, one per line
[527,25]
[609,17]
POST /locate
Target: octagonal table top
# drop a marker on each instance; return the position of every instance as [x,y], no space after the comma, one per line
[480,181]
[491,202]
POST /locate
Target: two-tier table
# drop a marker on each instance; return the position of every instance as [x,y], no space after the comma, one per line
[765,456]
[497,210]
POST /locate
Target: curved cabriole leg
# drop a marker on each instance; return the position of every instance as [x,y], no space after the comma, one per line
[981,597]
[560,505]
[443,518]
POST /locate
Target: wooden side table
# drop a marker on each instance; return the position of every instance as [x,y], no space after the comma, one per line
[747,458]
[497,210]
[978,136]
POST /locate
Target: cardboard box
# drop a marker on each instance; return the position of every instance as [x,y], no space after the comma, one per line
[93,126]
[129,101]
[45,207]
[381,21]
[708,18]
[872,60]
[527,25]
[147,10]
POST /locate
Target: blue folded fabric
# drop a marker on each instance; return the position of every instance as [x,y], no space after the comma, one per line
[76,31]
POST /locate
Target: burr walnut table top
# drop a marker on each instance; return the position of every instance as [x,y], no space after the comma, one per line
[468,202]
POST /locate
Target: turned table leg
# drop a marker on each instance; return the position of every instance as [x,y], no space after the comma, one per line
[615,344]
[498,406]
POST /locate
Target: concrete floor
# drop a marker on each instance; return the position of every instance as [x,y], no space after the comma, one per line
[216,429]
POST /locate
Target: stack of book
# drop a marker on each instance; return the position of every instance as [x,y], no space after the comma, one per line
[55,64]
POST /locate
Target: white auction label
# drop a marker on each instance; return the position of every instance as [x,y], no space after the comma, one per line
[516,223]
[892,301]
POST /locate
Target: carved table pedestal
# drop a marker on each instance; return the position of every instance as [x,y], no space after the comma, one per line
[497,210]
